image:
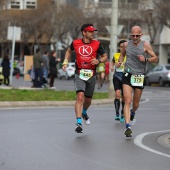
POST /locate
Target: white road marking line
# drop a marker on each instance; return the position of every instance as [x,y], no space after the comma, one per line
[145,100]
[138,141]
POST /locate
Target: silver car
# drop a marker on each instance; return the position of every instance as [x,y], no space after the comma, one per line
[160,74]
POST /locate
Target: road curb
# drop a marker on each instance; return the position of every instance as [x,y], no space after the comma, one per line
[164,140]
[49,103]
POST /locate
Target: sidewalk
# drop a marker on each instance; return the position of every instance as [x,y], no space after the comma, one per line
[49,103]
[7,104]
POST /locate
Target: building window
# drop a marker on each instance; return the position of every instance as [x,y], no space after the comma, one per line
[30,4]
[15,4]
[21,4]
[105,0]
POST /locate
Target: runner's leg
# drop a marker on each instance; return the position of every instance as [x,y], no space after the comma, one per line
[79,104]
[136,99]
[127,91]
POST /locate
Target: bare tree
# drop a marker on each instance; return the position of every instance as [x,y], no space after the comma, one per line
[39,26]
[66,19]
[4,3]
[162,10]
[156,17]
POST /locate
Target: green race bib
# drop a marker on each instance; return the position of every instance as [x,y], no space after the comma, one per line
[101,68]
[85,74]
[137,80]
[120,69]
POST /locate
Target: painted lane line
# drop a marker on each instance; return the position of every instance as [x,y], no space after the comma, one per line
[145,100]
[138,141]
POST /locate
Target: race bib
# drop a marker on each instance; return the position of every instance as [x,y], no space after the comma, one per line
[121,68]
[101,68]
[137,80]
[85,74]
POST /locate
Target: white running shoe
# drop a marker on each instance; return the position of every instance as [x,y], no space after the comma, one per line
[132,118]
[132,122]
[86,119]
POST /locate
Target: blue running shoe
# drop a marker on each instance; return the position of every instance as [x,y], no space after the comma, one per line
[117,117]
[122,120]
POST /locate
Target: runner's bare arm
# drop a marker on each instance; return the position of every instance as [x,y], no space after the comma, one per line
[148,49]
[67,57]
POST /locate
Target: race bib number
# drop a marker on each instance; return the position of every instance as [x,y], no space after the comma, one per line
[101,68]
[137,80]
[121,68]
[85,74]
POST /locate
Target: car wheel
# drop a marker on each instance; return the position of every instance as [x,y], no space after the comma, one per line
[161,83]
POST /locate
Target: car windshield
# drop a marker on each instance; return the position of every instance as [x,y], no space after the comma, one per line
[167,67]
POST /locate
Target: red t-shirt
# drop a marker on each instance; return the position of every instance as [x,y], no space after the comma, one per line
[85,52]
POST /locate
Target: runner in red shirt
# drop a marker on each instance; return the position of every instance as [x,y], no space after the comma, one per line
[87,50]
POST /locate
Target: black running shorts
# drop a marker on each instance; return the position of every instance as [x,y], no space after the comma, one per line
[117,83]
[85,86]
[126,80]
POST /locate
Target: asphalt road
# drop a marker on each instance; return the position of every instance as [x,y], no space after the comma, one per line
[44,138]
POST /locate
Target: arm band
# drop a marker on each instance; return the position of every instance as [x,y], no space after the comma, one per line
[65,62]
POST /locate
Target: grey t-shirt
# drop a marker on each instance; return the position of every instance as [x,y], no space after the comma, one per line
[133,65]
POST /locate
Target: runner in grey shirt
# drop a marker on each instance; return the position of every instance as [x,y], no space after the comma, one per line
[138,53]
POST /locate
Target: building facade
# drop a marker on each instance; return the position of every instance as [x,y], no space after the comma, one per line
[21,4]
[130,13]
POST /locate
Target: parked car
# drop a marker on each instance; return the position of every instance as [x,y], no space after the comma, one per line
[160,74]
[70,71]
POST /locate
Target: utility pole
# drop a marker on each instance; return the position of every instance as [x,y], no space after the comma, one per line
[113,42]
[13,53]
[14,34]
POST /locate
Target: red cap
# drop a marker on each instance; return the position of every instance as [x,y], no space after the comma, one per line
[90,28]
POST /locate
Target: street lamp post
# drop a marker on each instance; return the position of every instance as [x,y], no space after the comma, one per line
[113,42]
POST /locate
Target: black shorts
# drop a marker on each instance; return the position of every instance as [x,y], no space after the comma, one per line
[117,83]
[126,80]
[87,87]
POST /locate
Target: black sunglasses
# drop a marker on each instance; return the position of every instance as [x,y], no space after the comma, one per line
[137,35]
